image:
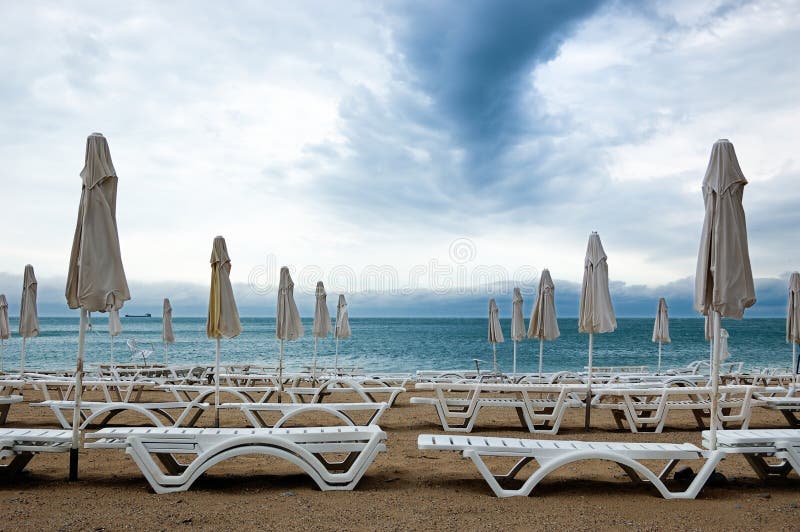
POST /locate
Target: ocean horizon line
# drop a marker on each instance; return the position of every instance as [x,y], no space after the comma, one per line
[388,317]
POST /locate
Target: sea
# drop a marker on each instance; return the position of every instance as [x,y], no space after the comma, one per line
[403,344]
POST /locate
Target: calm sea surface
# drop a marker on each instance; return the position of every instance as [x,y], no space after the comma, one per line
[402,344]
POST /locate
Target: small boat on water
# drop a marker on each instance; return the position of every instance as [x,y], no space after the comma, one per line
[148,315]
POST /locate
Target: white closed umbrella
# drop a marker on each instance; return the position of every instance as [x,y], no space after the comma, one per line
[342,329]
[5,327]
[724,280]
[793,317]
[495,331]
[223,316]
[517,324]
[596,313]
[543,324]
[661,327]
[28,315]
[96,278]
[288,326]
[322,321]
[167,333]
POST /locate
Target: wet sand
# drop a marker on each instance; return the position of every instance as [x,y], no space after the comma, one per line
[404,489]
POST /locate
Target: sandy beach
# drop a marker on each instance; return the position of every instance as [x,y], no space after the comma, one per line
[404,489]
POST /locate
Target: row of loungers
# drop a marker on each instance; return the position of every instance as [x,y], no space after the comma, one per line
[640,408]
[158,451]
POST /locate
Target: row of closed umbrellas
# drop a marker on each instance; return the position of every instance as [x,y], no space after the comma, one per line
[724,285]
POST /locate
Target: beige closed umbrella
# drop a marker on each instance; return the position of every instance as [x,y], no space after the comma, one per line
[724,280]
[661,327]
[544,325]
[517,324]
[596,314]
[495,331]
[342,329]
[322,322]
[223,316]
[28,314]
[167,333]
[5,327]
[288,326]
[793,317]
[96,278]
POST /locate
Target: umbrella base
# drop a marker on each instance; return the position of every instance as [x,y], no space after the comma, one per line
[73,465]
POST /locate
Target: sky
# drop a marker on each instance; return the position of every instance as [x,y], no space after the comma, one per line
[420,156]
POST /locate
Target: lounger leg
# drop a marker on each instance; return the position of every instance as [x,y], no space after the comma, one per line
[172,466]
[765,470]
[618,419]
[4,413]
[514,471]
[791,418]
[698,416]
[668,469]
[632,474]
[16,464]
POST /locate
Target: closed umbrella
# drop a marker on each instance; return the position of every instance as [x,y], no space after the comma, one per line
[223,316]
[342,329]
[5,327]
[96,278]
[724,281]
[287,318]
[661,327]
[793,317]
[167,334]
[495,331]
[543,324]
[596,314]
[517,323]
[322,321]
[28,315]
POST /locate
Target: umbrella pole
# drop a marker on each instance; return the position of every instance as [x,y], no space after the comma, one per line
[112,350]
[794,364]
[711,352]
[22,357]
[314,363]
[336,362]
[494,354]
[541,353]
[715,384]
[280,372]
[515,360]
[216,386]
[166,354]
[659,356]
[2,349]
[76,411]
[588,418]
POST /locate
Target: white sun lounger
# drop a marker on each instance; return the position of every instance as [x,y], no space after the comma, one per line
[254,411]
[552,454]
[19,446]
[367,390]
[100,412]
[758,444]
[303,447]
